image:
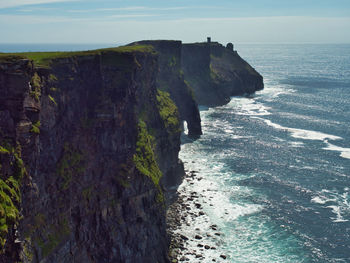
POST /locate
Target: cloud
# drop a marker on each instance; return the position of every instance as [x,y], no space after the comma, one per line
[33,19]
[40,19]
[129,28]
[133,16]
[131,8]
[35,9]
[16,3]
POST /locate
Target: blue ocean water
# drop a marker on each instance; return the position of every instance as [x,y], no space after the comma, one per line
[275,167]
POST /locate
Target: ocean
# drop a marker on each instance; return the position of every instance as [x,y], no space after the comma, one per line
[274,167]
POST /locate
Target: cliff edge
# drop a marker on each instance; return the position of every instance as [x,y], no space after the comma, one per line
[171,79]
[216,73]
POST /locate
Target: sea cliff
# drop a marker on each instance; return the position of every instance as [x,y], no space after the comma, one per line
[89,145]
[216,73]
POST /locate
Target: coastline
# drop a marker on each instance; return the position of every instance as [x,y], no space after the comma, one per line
[192,246]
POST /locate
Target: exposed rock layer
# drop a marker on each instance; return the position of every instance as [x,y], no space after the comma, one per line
[88,196]
[216,73]
[171,79]
[89,141]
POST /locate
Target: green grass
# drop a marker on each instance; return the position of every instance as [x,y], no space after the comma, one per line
[52,100]
[44,59]
[3,150]
[36,127]
[52,78]
[35,91]
[10,57]
[10,195]
[144,158]
[35,81]
[168,111]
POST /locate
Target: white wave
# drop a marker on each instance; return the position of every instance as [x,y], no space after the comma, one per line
[318,200]
[301,133]
[338,202]
[337,211]
[185,131]
[344,152]
[321,199]
[248,107]
[228,211]
[237,137]
[296,144]
[273,91]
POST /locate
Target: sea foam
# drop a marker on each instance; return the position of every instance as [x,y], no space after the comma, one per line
[301,133]
[344,152]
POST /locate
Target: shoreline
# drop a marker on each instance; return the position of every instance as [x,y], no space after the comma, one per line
[192,246]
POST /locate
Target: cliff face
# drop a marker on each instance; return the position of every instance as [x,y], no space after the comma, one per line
[89,145]
[171,79]
[82,156]
[216,73]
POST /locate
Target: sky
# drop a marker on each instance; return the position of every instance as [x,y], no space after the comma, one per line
[125,21]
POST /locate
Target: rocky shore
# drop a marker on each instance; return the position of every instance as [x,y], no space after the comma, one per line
[193,237]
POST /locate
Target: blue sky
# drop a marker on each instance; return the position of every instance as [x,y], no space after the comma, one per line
[121,21]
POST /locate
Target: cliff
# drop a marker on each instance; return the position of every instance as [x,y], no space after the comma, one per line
[89,145]
[171,79]
[216,73]
[85,140]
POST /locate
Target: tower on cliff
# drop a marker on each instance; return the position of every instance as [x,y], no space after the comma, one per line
[229,46]
[208,40]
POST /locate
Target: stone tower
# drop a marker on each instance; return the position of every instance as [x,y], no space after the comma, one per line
[229,46]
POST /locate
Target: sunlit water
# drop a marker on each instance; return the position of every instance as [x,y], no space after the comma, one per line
[276,166]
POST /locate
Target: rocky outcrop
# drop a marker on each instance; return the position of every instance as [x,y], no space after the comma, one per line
[171,79]
[216,73]
[84,145]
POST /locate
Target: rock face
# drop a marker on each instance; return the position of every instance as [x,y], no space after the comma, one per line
[91,131]
[171,79]
[89,145]
[216,73]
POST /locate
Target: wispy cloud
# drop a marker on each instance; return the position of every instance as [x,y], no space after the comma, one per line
[36,9]
[107,29]
[33,19]
[44,19]
[133,16]
[17,3]
[131,8]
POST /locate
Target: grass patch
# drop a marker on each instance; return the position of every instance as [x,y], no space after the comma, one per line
[35,83]
[10,195]
[36,127]
[52,78]
[144,158]
[52,100]
[3,150]
[172,61]
[168,111]
[44,59]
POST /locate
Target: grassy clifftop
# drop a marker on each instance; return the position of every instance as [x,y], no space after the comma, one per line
[44,59]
